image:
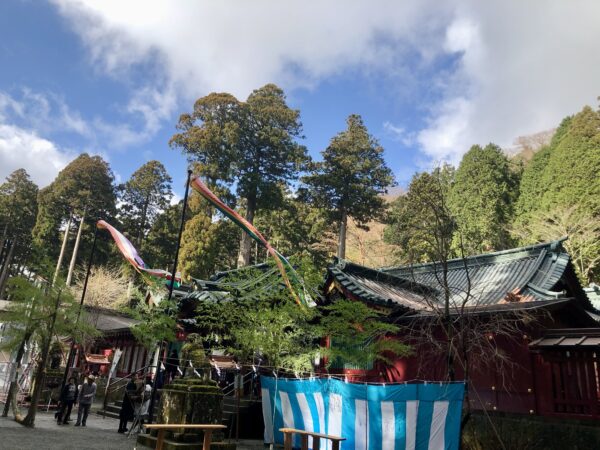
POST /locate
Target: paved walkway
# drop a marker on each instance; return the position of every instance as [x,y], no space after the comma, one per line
[99,434]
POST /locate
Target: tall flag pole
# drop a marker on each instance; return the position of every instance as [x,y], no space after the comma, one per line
[171,286]
[285,267]
[183,211]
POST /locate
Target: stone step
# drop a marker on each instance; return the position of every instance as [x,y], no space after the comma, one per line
[243,401]
[113,410]
[109,414]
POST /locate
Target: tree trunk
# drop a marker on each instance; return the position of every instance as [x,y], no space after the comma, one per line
[6,266]
[140,236]
[341,253]
[75,251]
[12,390]
[3,252]
[3,241]
[62,250]
[40,374]
[246,240]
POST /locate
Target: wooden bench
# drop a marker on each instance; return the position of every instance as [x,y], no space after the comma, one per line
[162,427]
[288,434]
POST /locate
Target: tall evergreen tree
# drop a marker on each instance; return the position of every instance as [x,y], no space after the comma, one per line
[48,222]
[531,188]
[420,222]
[297,228]
[350,180]
[208,243]
[18,209]
[161,241]
[252,144]
[571,176]
[82,191]
[143,197]
[562,182]
[482,199]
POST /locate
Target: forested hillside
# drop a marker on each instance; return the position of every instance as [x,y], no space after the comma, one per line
[495,202]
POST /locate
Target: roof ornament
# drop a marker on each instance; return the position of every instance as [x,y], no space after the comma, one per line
[512,297]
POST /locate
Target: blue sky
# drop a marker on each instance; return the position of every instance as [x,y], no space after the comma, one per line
[111,77]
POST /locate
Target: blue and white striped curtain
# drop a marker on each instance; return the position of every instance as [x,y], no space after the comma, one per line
[413,416]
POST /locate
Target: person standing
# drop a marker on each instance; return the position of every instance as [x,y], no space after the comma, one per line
[86,396]
[68,396]
[171,365]
[146,396]
[143,408]
[128,407]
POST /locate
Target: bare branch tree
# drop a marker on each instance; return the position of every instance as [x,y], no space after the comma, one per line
[107,288]
[579,225]
[453,321]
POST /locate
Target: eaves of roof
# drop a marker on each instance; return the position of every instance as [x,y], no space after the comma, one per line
[499,308]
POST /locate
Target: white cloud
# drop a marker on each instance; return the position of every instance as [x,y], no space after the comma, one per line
[44,112]
[522,68]
[176,198]
[519,67]
[399,133]
[21,148]
[449,124]
[47,113]
[238,46]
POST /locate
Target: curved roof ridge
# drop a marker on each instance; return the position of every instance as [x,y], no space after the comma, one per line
[343,265]
[549,245]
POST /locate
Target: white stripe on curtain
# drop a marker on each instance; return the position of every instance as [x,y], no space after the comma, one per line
[388,426]
[438,425]
[306,415]
[335,417]
[412,408]
[361,425]
[288,414]
[267,415]
[320,411]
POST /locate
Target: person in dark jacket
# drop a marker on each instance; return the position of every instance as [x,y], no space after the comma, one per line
[128,406]
[172,365]
[87,392]
[68,396]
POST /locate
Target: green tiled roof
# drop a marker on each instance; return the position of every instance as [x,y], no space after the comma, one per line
[223,286]
[531,273]
[208,296]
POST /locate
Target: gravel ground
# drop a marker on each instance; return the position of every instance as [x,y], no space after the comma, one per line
[99,434]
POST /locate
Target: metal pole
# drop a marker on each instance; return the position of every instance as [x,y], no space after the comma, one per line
[83,291]
[239,381]
[183,210]
[171,285]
